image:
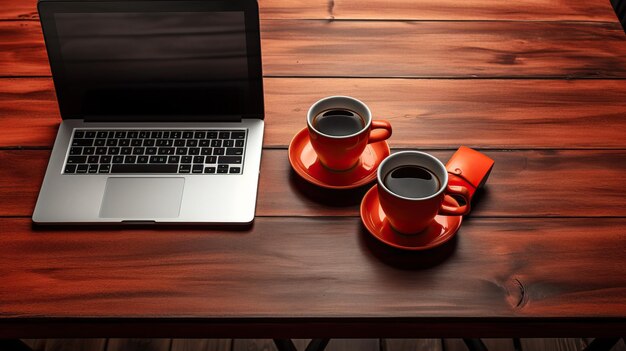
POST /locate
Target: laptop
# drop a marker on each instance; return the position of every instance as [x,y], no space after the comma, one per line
[162,108]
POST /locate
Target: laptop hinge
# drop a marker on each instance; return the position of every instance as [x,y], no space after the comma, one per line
[162,119]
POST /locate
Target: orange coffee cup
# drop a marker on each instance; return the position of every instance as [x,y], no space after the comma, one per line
[340,127]
[411,188]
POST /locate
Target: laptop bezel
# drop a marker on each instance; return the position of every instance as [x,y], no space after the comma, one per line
[47,9]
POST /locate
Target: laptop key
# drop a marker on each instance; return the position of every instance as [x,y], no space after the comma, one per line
[235,170]
[158,159]
[93,169]
[99,142]
[76,150]
[77,159]
[234,151]
[111,142]
[105,159]
[238,135]
[130,159]
[93,159]
[216,143]
[173,159]
[104,168]
[79,134]
[124,142]
[166,151]
[211,135]
[198,159]
[218,151]
[143,168]
[126,150]
[228,143]
[229,160]
[81,168]
[70,169]
[239,143]
[179,142]
[205,151]
[90,134]
[151,151]
[139,150]
[194,151]
[181,151]
[186,159]
[222,169]
[187,134]
[175,134]
[211,159]
[197,169]
[184,168]
[118,159]
[113,151]
[209,169]
[89,150]
[120,134]
[82,142]
[102,134]
[132,134]
[224,135]
[142,159]
[136,142]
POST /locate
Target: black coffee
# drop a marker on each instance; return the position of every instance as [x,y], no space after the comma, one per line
[412,181]
[338,122]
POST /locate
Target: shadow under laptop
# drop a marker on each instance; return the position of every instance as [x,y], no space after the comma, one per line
[139,226]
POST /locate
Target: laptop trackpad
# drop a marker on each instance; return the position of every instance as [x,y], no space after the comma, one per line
[142,198]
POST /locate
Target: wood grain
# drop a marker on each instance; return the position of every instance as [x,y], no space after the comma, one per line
[398,49]
[513,268]
[201,345]
[523,183]
[116,344]
[424,113]
[554,344]
[76,345]
[491,344]
[412,345]
[573,10]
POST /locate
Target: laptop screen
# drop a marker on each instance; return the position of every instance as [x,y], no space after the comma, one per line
[156,65]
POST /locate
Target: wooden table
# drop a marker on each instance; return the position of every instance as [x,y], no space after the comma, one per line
[536,85]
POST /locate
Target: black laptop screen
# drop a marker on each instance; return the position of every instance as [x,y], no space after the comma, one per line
[155,65]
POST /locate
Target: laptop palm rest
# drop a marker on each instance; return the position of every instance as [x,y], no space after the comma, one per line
[142,198]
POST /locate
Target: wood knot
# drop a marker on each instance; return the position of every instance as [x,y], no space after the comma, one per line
[516,293]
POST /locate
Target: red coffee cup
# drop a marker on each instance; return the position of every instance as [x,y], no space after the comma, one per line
[340,127]
[417,172]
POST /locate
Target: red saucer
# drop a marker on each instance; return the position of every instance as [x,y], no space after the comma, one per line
[304,161]
[442,229]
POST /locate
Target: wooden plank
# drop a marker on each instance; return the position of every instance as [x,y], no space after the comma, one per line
[76,344]
[412,345]
[398,49]
[513,268]
[36,344]
[523,183]
[353,344]
[139,344]
[491,344]
[254,345]
[201,344]
[426,113]
[554,344]
[578,10]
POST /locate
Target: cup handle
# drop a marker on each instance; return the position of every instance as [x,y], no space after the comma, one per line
[456,210]
[381,130]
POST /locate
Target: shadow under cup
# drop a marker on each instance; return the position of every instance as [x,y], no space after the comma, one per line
[340,127]
[411,215]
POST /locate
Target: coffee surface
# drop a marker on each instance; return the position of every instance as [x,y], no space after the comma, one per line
[412,181]
[338,122]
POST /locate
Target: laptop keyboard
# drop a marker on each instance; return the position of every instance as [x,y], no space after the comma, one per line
[140,151]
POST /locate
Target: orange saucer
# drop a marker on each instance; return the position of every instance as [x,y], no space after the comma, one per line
[440,231]
[304,161]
